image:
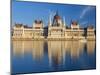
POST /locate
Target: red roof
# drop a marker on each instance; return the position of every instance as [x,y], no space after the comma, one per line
[74,23]
[56,17]
[38,21]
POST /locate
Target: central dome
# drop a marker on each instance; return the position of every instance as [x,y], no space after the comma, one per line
[57,20]
[57,16]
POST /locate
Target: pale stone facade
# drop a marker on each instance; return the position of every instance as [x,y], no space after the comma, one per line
[75,32]
[90,33]
[38,30]
[24,32]
[56,30]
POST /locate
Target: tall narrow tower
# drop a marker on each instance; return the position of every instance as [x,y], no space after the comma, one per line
[64,24]
[50,22]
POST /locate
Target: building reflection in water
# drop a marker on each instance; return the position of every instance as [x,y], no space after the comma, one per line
[38,50]
[20,48]
[57,50]
[91,47]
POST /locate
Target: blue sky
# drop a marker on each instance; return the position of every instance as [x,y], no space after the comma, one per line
[27,12]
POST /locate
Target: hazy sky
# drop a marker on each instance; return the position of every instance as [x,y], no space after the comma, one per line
[27,12]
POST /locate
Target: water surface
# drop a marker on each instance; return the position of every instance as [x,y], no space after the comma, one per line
[47,56]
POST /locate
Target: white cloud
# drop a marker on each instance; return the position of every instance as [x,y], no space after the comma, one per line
[85,11]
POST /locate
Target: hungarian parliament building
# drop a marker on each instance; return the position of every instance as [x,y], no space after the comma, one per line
[56,30]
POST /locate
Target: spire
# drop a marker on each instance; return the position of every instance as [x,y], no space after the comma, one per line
[57,12]
[50,20]
[33,24]
[64,24]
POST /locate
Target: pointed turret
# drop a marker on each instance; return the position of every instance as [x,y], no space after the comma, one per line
[64,24]
[50,20]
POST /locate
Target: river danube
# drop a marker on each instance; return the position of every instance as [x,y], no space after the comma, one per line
[48,56]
